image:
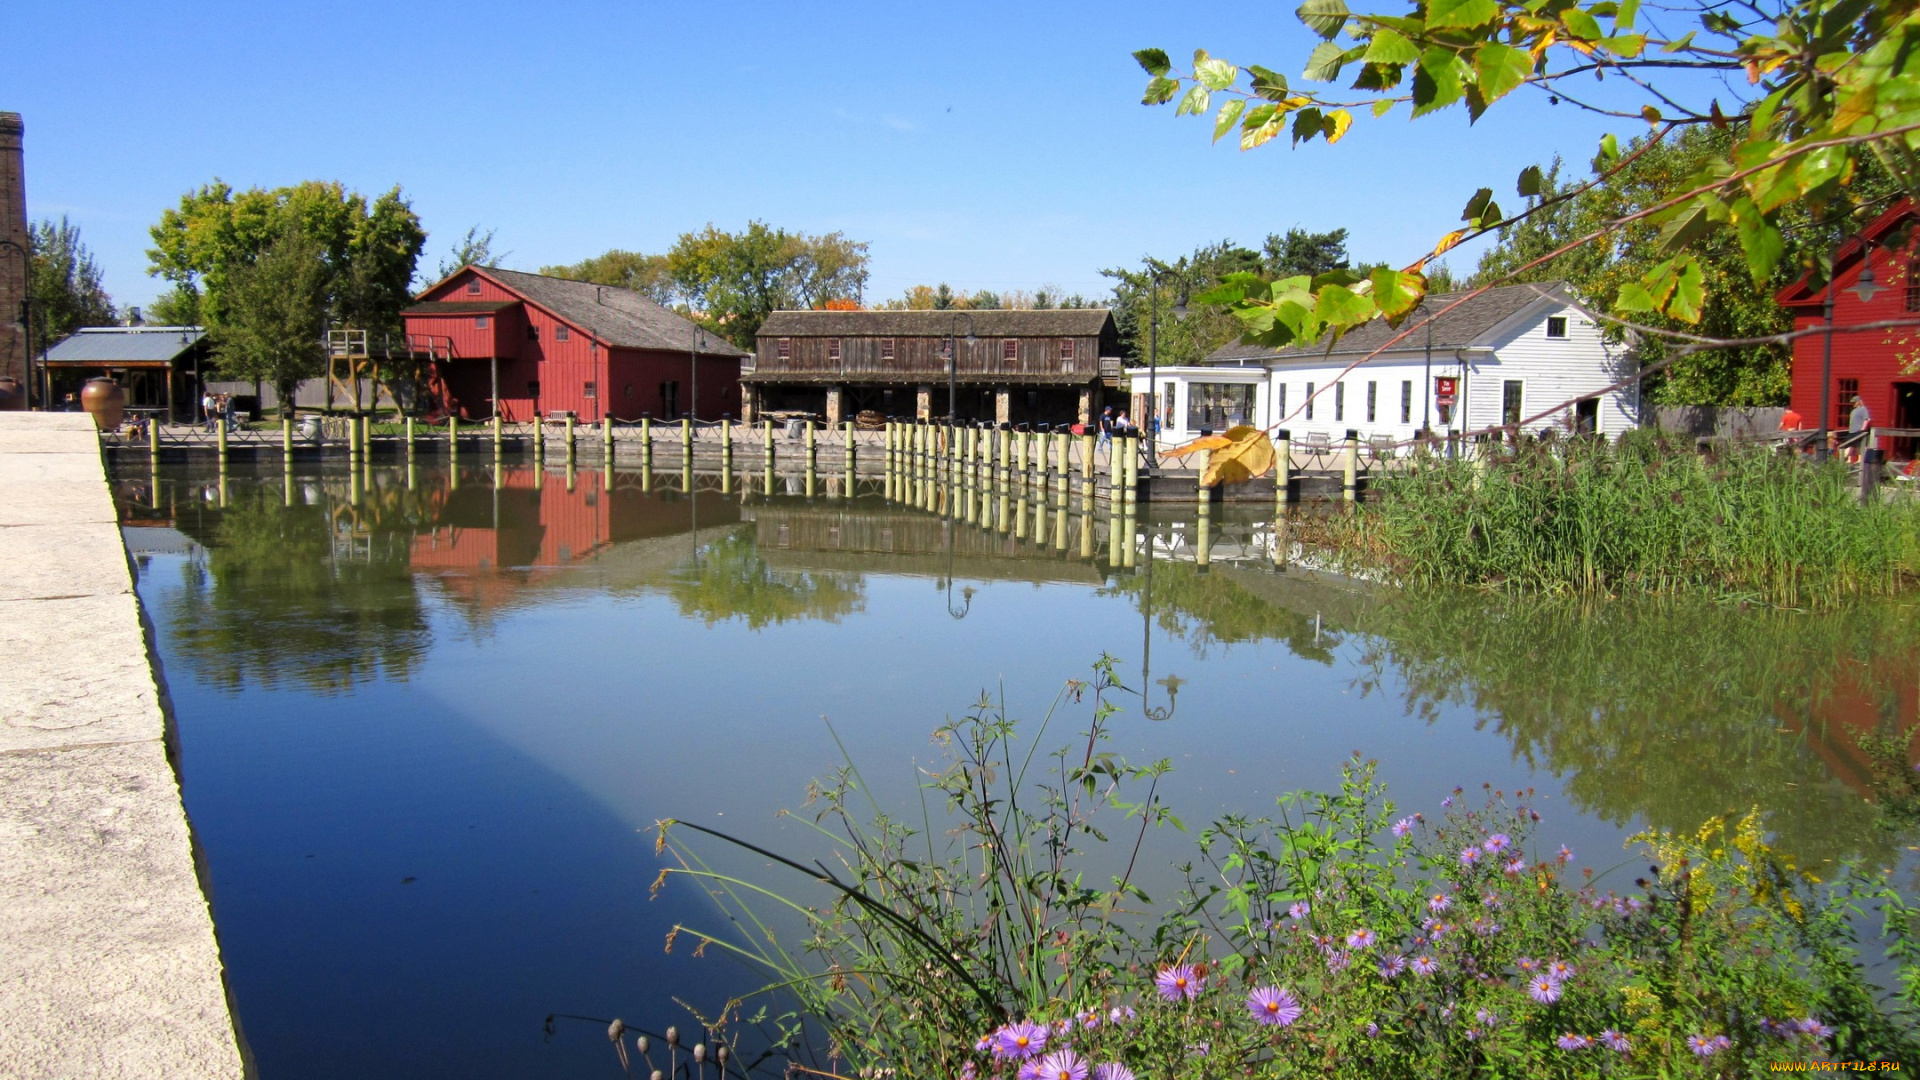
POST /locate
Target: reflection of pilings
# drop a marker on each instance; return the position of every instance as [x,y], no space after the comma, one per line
[1203,546]
[1086,526]
[1113,534]
[1280,541]
[1282,470]
[1129,550]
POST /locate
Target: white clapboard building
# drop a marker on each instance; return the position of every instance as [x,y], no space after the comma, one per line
[1504,356]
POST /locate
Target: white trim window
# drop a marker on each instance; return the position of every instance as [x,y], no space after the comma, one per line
[1557,327]
[560,333]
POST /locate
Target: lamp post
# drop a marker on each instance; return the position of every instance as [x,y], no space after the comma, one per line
[953,367]
[26,316]
[693,373]
[1866,289]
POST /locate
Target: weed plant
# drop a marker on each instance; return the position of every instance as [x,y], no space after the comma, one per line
[1003,939]
[1645,514]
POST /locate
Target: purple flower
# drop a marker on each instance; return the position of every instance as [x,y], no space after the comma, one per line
[1403,826]
[1373,1030]
[1440,930]
[1425,965]
[1487,1018]
[1485,927]
[1498,843]
[1469,856]
[1439,902]
[1118,1013]
[1543,990]
[1473,1034]
[1020,1041]
[1514,867]
[1566,853]
[1273,1006]
[1491,901]
[1814,1028]
[1560,970]
[1527,964]
[1063,1065]
[1616,1042]
[1702,1046]
[1779,1029]
[1337,962]
[1362,938]
[1089,1019]
[1178,983]
[1113,1070]
[1446,802]
[1571,1041]
[1029,1070]
[1299,909]
[1392,966]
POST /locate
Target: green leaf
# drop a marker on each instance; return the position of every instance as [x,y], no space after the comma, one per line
[1609,152]
[1627,46]
[1689,291]
[1215,74]
[1268,83]
[1624,15]
[1195,102]
[1388,47]
[1693,222]
[1160,91]
[1154,61]
[1464,14]
[1258,115]
[1306,124]
[1397,292]
[1229,116]
[1760,241]
[1323,17]
[1634,297]
[1499,69]
[1382,107]
[1581,25]
[1339,306]
[1477,206]
[1325,62]
[1439,80]
[1532,181]
[1677,44]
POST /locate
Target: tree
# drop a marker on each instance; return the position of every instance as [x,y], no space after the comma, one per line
[273,311]
[1805,96]
[178,306]
[474,249]
[64,281]
[368,249]
[647,275]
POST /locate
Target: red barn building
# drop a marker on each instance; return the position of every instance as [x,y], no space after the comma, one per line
[535,345]
[1878,365]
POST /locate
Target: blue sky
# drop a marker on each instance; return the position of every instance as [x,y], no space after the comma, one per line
[987,145]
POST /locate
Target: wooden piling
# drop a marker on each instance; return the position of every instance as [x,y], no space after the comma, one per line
[1086,456]
[1204,458]
[847,465]
[221,427]
[409,437]
[453,441]
[1282,470]
[686,437]
[153,445]
[1350,468]
[497,449]
[570,440]
[286,438]
[1871,462]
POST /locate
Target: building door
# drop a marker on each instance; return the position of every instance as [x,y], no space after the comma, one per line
[1512,398]
[1906,414]
[1586,416]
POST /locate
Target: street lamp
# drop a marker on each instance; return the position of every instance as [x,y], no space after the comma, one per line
[693,369]
[25,322]
[1866,289]
[953,365]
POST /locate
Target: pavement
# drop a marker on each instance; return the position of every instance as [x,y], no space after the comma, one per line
[109,964]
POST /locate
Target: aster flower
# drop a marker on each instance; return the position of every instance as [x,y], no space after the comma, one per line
[1337,962]
[1514,867]
[1439,902]
[1403,826]
[1616,1042]
[1062,1026]
[1491,901]
[1566,853]
[1299,909]
[1446,802]
[1498,843]
[1571,1041]
[1373,1030]
[1063,1064]
[1543,990]
[1424,965]
[1779,1029]
[985,1044]
[1485,927]
[1440,930]
[1030,1070]
[1527,964]
[1020,1041]
[1702,1046]
[1362,938]
[1814,1028]
[1089,1020]
[1469,856]
[1119,1013]
[1560,970]
[1112,1070]
[1273,1006]
[1392,966]
[1487,1017]
[1178,983]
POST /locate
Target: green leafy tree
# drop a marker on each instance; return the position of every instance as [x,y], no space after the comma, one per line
[647,275]
[474,249]
[64,281]
[1809,93]
[178,306]
[274,310]
[731,581]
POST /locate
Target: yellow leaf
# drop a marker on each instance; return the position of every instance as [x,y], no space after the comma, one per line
[1341,120]
[1448,241]
[1206,442]
[1855,108]
[1540,47]
[1248,453]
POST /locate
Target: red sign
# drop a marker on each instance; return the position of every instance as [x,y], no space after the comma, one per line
[1445,387]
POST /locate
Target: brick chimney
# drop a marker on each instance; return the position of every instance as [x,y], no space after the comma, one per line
[13,264]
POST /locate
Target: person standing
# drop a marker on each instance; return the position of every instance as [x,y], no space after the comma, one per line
[206,410]
[1858,421]
[1106,428]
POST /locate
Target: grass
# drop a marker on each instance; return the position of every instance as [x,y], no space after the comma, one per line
[1644,515]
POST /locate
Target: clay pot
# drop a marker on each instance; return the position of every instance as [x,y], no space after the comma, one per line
[104,398]
[13,396]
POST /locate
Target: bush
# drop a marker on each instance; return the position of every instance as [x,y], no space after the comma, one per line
[1337,933]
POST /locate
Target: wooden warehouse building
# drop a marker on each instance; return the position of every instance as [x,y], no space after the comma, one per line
[1010,366]
[529,344]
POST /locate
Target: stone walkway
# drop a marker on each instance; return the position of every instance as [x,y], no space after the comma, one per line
[108,962]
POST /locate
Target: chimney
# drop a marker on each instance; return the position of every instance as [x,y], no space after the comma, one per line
[600,295]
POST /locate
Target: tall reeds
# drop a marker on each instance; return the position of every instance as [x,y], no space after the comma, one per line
[1642,515]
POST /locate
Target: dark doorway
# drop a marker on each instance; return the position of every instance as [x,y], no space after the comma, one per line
[1586,416]
[1906,414]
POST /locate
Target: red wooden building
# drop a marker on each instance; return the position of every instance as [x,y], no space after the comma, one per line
[1878,365]
[542,345]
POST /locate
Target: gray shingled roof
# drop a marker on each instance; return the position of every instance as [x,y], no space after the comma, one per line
[1051,322]
[616,316]
[1460,327]
[124,345]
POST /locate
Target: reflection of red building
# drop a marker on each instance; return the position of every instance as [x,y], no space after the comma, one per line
[1871,363]
[1877,696]
[550,345]
[488,543]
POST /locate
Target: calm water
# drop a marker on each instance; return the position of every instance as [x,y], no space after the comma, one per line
[426,726]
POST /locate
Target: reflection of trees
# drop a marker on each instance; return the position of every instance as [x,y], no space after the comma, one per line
[730,580]
[318,594]
[1204,608]
[1668,713]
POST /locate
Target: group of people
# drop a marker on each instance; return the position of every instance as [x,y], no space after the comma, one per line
[1859,420]
[217,409]
[1111,424]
